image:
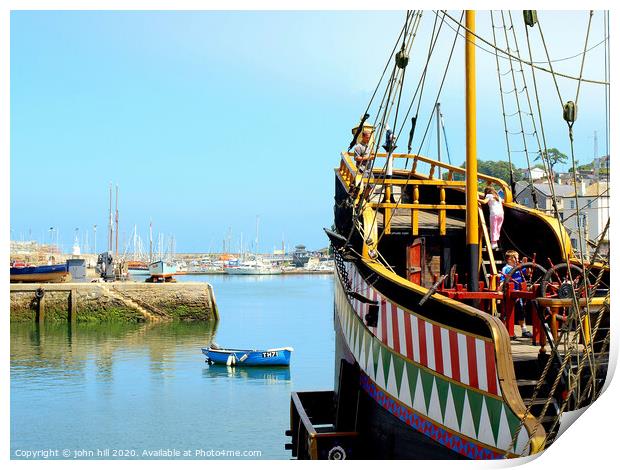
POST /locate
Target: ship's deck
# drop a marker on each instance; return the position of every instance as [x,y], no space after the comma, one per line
[523,349]
[401,220]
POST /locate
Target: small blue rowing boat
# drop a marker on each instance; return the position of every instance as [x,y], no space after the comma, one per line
[248,357]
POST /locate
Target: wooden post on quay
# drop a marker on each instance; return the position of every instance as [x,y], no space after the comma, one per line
[73,305]
[40,295]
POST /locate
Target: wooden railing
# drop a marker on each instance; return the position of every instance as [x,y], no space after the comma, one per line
[349,168]
[351,176]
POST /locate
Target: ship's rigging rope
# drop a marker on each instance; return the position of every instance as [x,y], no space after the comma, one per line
[392,98]
[445,138]
[568,353]
[501,95]
[580,230]
[518,112]
[571,390]
[408,35]
[563,59]
[577,313]
[570,124]
[387,65]
[420,87]
[422,81]
[530,62]
[431,48]
[607,110]
[431,114]
[543,153]
[430,120]
[531,111]
[396,80]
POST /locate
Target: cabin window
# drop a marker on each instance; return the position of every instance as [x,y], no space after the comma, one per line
[572,204]
[526,200]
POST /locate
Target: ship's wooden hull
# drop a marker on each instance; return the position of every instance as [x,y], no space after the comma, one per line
[423,381]
[383,435]
[428,372]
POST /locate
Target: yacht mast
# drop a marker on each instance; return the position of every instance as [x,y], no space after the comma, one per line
[151,241]
[110,222]
[438,117]
[257,220]
[116,253]
[471,164]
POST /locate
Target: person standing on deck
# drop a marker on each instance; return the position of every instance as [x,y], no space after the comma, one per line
[512,258]
[496,213]
[361,153]
[363,160]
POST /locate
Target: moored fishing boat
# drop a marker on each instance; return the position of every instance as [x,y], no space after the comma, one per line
[248,357]
[47,273]
[162,269]
[429,366]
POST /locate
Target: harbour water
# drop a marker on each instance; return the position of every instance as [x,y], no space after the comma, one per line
[144,391]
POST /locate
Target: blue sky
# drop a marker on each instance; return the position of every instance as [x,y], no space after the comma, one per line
[206,120]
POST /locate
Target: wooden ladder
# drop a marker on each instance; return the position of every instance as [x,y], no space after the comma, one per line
[485,241]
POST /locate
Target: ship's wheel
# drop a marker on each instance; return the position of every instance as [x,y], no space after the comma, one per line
[562,281]
[532,274]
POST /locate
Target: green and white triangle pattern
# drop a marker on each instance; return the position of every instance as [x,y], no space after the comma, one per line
[480,417]
[404,395]
[391,386]
[369,366]
[363,351]
[434,410]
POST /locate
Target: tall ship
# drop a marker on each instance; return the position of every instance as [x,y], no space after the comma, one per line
[429,363]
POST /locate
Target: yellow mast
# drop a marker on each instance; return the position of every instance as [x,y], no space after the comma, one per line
[471,164]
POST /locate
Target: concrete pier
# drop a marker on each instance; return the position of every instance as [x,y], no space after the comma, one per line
[114,301]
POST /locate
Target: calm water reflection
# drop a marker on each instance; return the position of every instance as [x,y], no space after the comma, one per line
[147,387]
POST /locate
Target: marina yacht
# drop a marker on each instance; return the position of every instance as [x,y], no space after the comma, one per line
[254,266]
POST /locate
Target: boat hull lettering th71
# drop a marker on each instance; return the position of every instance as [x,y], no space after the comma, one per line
[249,357]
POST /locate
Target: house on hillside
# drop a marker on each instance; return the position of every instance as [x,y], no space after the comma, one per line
[535,174]
[544,196]
[587,213]
[584,212]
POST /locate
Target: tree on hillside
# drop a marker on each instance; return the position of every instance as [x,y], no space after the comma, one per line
[495,169]
[499,170]
[553,156]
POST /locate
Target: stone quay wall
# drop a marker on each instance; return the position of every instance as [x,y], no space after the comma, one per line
[113,301]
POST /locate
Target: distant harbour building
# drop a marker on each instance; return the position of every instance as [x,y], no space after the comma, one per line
[585,212]
[544,197]
[535,174]
[588,213]
[300,256]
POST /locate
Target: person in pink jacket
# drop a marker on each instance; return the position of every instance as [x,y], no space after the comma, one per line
[496,213]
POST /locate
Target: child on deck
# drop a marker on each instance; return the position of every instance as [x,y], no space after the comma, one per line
[512,258]
[496,213]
